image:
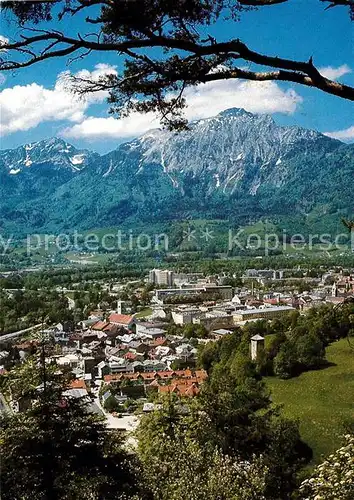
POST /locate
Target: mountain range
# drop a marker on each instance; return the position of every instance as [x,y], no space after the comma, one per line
[236,166]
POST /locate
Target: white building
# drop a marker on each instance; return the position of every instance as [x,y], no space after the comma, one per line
[161,277]
[208,292]
[184,316]
[257,345]
[262,313]
[150,330]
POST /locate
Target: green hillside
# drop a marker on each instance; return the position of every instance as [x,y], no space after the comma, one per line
[322,400]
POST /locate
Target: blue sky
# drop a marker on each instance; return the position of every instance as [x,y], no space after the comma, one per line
[35,103]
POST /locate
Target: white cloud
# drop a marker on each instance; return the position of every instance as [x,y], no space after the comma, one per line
[3,40]
[343,135]
[111,128]
[26,106]
[204,100]
[257,97]
[335,73]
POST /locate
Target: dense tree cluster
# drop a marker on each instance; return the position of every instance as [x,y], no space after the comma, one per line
[295,342]
[22,309]
[189,331]
[175,462]
[301,346]
[229,442]
[233,418]
[234,415]
[57,448]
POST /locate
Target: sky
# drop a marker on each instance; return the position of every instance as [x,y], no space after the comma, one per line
[35,102]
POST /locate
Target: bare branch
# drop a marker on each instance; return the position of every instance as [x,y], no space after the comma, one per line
[192,57]
[296,71]
[328,86]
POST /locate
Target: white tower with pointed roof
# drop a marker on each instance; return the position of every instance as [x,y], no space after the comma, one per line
[257,345]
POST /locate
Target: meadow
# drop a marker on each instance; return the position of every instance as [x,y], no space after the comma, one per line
[322,400]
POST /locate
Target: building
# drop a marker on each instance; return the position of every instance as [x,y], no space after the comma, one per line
[264,273]
[119,365]
[215,319]
[265,313]
[257,345]
[161,277]
[343,286]
[102,369]
[123,320]
[220,333]
[225,292]
[207,292]
[183,278]
[163,376]
[184,316]
[170,278]
[150,329]
[71,360]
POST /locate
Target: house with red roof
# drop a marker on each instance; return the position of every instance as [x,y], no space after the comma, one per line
[77,384]
[181,389]
[130,356]
[183,382]
[100,325]
[123,320]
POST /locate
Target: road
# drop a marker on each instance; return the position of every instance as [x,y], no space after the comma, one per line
[8,336]
[127,423]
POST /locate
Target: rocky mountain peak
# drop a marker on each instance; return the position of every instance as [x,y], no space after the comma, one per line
[54,153]
[234,163]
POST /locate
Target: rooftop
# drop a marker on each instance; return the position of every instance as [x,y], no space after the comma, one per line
[122,319]
[267,309]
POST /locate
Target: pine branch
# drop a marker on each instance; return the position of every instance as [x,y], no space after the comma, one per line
[301,72]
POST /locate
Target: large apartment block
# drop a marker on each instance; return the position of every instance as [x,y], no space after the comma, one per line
[161,277]
[224,292]
[265,313]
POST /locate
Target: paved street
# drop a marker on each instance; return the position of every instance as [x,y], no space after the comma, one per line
[125,423]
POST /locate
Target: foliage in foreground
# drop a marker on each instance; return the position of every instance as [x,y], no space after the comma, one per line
[205,473]
[297,344]
[234,421]
[58,450]
[334,478]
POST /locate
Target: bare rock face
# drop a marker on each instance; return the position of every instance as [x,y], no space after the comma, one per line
[234,164]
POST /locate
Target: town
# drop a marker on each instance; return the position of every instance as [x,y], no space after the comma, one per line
[176,250]
[122,358]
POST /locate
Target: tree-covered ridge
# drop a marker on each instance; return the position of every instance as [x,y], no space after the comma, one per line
[236,167]
[235,415]
[296,343]
[57,449]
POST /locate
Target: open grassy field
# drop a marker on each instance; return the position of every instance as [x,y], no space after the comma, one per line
[322,400]
[143,313]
